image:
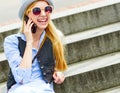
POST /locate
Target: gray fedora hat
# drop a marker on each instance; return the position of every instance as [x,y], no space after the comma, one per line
[26,3]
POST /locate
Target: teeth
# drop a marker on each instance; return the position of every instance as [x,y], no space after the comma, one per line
[42,21]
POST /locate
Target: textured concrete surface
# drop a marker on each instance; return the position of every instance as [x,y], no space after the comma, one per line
[4,68]
[3,87]
[83,21]
[111,90]
[93,47]
[88,48]
[100,73]
[92,64]
[91,81]
[3,35]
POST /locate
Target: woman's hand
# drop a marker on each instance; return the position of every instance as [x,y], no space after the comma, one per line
[27,31]
[58,77]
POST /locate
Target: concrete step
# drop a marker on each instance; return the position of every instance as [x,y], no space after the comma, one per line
[92,64]
[2,57]
[76,19]
[92,43]
[92,75]
[83,45]
[4,68]
[91,15]
[5,32]
[88,15]
[111,90]
[81,17]
[3,87]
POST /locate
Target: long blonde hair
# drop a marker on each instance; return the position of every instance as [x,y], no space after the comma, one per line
[58,48]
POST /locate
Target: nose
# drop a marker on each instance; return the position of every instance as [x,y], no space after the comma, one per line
[43,13]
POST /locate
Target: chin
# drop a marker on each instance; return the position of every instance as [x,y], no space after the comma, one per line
[43,27]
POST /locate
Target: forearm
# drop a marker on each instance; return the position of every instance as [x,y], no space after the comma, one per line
[27,57]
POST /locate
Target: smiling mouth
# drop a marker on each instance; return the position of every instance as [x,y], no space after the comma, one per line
[43,21]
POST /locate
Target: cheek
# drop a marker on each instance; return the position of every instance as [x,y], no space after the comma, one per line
[31,16]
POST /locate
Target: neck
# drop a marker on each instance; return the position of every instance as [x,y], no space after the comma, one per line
[36,38]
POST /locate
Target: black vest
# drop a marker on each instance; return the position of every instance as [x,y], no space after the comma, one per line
[45,58]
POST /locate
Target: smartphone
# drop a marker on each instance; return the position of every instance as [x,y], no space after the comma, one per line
[34,27]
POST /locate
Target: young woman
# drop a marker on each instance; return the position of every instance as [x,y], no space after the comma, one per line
[35,55]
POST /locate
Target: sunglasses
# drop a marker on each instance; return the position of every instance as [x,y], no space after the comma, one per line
[37,10]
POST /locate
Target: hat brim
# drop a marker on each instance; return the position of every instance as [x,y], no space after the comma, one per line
[26,4]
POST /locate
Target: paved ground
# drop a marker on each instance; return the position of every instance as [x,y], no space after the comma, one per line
[9,9]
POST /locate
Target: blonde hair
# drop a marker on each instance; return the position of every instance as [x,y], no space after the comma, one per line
[58,48]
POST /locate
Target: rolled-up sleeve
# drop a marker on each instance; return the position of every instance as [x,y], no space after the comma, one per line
[13,56]
[22,75]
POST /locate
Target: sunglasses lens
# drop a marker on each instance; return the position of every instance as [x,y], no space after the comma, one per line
[36,11]
[48,9]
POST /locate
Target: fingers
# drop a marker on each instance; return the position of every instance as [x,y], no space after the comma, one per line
[27,30]
[58,77]
[28,25]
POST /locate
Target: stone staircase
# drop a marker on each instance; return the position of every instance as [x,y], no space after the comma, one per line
[92,36]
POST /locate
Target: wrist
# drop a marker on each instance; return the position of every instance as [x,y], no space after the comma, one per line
[29,44]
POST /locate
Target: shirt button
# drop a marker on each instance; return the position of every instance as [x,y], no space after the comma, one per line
[44,73]
[42,67]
